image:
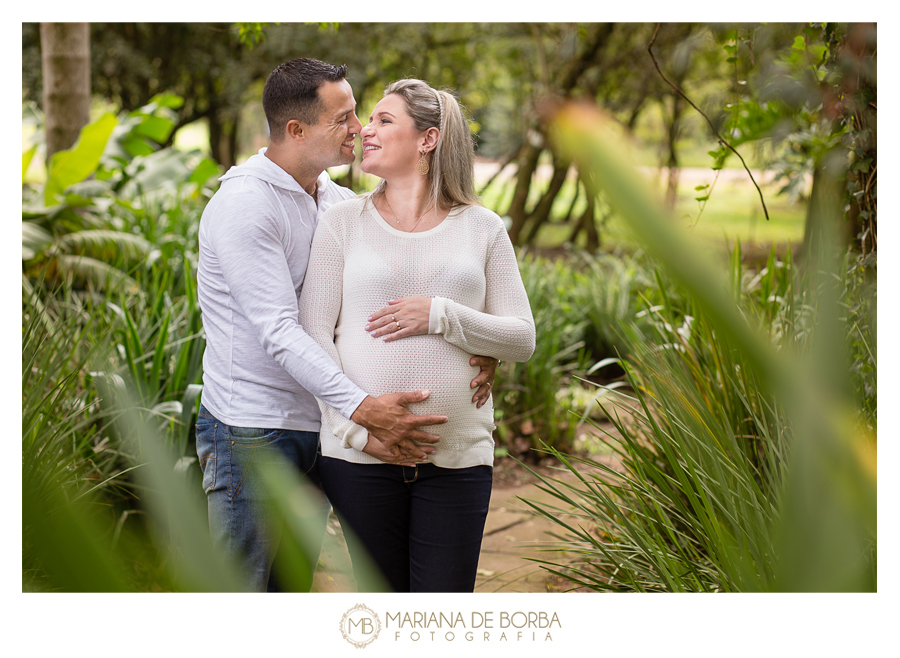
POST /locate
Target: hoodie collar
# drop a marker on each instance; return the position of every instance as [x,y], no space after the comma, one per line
[261,167]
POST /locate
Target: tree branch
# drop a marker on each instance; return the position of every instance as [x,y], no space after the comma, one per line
[505,161]
[182,122]
[715,132]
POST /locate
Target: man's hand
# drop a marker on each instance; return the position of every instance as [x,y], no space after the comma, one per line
[485,379]
[388,419]
[376,449]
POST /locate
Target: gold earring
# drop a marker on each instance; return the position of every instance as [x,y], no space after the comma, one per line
[422,165]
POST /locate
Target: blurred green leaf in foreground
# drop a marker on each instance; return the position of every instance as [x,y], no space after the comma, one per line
[713,520]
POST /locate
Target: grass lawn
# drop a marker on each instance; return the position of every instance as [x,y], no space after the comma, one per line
[732,212]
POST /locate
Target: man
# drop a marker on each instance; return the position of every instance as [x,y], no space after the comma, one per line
[262,372]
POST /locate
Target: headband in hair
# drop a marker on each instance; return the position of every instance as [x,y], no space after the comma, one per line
[441,105]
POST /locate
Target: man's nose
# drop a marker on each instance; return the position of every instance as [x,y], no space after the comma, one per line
[355,125]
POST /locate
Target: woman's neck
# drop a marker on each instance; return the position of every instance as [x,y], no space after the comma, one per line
[406,204]
[408,197]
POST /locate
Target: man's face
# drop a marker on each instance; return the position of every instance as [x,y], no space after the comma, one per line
[332,138]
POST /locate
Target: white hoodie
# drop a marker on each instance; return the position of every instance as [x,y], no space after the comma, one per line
[260,368]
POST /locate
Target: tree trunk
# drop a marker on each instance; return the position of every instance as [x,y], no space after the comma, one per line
[571,209]
[215,134]
[588,57]
[527,167]
[672,163]
[66,64]
[576,229]
[825,210]
[586,223]
[859,49]
[568,82]
[590,225]
[505,161]
[223,135]
[233,138]
[541,212]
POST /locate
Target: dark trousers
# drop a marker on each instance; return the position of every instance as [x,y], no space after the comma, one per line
[421,525]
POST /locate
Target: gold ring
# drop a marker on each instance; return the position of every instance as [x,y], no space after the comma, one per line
[397,323]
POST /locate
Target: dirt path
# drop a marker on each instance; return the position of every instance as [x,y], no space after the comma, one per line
[513,533]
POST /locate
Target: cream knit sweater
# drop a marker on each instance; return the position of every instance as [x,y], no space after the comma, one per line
[468,267]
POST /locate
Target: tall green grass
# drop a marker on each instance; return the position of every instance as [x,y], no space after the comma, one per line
[111,347]
[111,496]
[747,448]
[701,450]
[526,395]
[578,303]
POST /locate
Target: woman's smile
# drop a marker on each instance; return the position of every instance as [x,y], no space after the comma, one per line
[396,135]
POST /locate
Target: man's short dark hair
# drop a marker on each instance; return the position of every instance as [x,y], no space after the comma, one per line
[292,92]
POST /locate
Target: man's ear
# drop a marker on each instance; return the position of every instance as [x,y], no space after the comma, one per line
[295,130]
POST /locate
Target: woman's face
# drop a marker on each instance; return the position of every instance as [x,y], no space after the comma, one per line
[391,144]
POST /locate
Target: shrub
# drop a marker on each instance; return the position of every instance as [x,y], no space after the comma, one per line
[748,457]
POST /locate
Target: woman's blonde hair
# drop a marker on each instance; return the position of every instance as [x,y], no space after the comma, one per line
[451,170]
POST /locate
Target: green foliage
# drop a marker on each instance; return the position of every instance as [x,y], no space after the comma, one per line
[858,300]
[77,163]
[613,291]
[92,459]
[109,315]
[702,446]
[803,91]
[67,454]
[141,131]
[580,306]
[741,470]
[118,201]
[251,34]
[27,157]
[526,394]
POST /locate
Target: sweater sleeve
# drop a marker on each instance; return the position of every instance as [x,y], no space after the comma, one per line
[250,250]
[320,308]
[505,330]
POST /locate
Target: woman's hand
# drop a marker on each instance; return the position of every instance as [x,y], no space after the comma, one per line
[484,381]
[407,316]
[377,449]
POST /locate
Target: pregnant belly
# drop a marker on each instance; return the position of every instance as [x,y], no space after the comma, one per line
[410,364]
[426,363]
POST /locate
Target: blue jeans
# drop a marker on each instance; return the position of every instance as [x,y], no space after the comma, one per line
[230,458]
[420,525]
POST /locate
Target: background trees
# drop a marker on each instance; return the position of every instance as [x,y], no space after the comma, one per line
[66,71]
[203,63]
[774,86]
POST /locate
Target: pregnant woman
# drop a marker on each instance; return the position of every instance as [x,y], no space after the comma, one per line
[404,285]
